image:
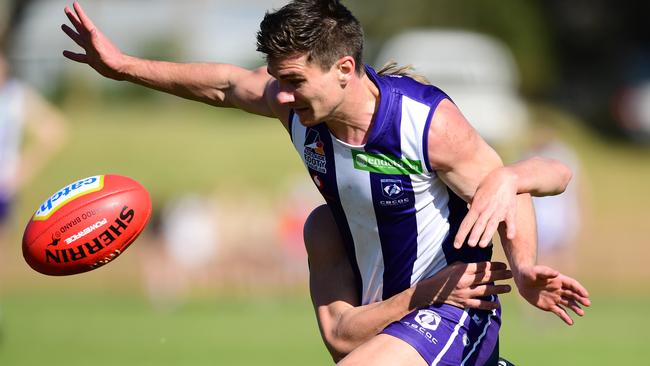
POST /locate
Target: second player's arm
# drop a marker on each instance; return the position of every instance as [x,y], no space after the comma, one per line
[464,161]
[345,324]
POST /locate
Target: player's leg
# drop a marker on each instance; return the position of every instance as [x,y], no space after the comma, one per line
[384,350]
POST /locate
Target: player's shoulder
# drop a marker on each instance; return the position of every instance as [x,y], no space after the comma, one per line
[412,87]
[279,110]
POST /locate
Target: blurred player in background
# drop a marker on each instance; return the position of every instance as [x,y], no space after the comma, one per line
[169,268]
[382,253]
[559,218]
[31,131]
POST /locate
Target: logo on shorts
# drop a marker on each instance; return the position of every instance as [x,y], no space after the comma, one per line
[428,319]
[314,152]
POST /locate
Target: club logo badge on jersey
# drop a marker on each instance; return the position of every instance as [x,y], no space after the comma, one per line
[392,188]
[314,152]
[392,191]
[428,319]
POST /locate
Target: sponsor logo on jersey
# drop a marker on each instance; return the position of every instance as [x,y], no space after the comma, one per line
[314,152]
[68,193]
[428,319]
[385,163]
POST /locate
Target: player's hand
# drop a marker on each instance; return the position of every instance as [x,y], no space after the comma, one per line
[495,201]
[462,285]
[101,54]
[552,291]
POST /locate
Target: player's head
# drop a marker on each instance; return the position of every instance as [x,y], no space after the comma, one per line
[313,49]
[323,30]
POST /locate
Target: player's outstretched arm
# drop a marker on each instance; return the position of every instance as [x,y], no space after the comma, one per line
[221,85]
[345,324]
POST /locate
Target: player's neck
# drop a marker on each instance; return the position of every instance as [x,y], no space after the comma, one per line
[352,120]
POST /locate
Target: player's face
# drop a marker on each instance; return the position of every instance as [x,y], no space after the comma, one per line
[312,93]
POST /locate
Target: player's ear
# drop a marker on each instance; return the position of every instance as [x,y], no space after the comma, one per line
[345,67]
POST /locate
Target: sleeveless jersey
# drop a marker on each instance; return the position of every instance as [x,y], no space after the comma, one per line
[396,217]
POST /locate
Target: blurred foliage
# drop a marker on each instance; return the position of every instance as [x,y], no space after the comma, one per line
[518,23]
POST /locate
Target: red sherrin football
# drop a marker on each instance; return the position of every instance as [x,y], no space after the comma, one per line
[86,224]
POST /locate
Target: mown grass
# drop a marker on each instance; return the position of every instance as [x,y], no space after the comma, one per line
[121,328]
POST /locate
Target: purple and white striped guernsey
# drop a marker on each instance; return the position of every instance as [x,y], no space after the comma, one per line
[396,217]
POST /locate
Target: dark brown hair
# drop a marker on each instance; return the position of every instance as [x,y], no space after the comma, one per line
[325,30]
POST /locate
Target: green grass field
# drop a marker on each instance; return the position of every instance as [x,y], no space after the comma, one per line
[102,319]
[93,328]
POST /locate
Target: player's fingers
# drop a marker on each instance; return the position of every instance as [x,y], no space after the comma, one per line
[487,290]
[569,294]
[499,275]
[562,314]
[73,35]
[490,229]
[73,19]
[575,286]
[465,226]
[477,230]
[79,57]
[574,306]
[495,266]
[88,24]
[481,304]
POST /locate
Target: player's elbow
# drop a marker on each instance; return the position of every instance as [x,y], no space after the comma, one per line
[564,175]
[339,344]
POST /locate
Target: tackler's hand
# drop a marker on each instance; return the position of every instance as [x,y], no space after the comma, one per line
[552,291]
[495,201]
[464,285]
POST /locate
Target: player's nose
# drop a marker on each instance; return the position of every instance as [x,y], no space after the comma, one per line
[286,93]
[285,97]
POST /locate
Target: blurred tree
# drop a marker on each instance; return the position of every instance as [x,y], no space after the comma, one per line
[520,24]
[14,11]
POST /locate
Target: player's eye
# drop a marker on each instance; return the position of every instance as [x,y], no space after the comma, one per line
[295,82]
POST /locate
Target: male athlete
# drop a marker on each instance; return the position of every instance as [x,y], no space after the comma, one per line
[396,163]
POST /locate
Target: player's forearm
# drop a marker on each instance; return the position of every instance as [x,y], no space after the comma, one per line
[202,82]
[358,325]
[521,251]
[539,176]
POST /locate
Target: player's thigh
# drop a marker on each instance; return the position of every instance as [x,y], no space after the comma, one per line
[384,350]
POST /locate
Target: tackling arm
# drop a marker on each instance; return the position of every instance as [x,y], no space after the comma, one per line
[464,161]
[345,324]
